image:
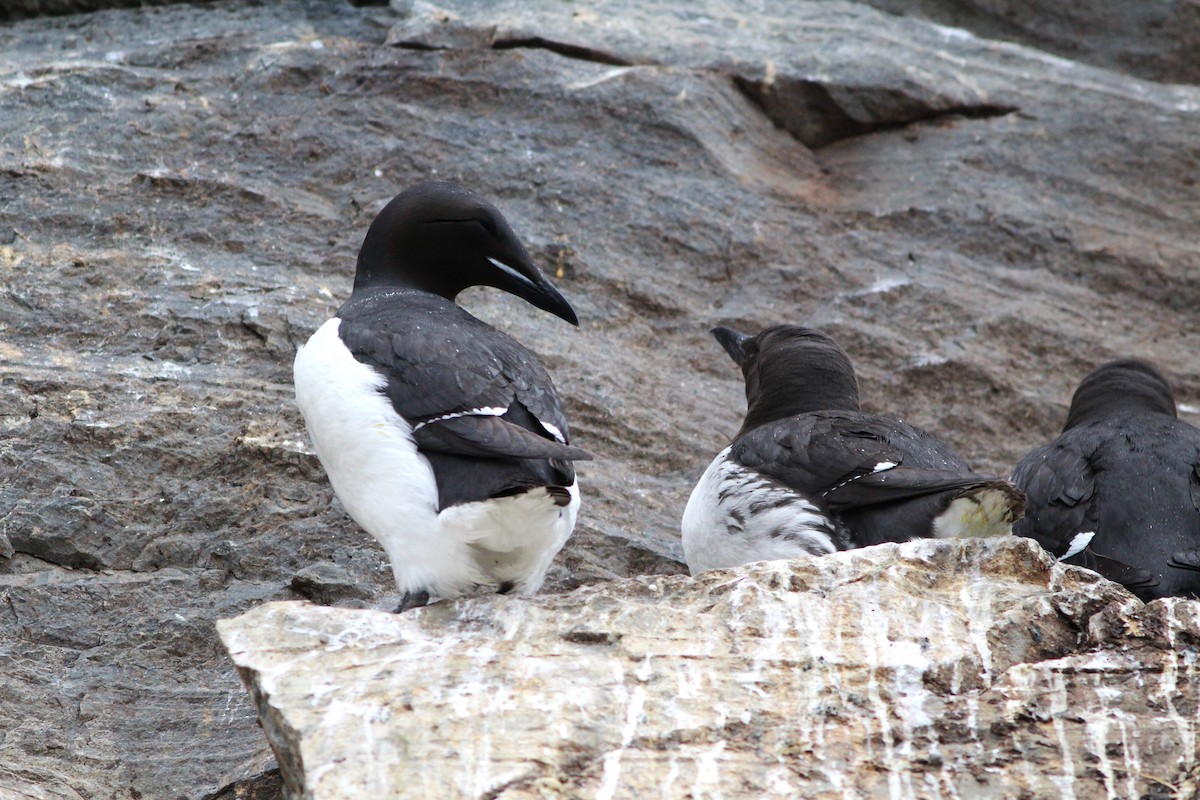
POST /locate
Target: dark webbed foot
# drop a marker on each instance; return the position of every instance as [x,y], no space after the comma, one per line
[412,600]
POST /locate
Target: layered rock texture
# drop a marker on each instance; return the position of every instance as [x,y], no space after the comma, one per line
[183,190]
[929,669]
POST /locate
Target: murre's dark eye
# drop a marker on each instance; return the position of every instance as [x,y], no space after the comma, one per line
[487,224]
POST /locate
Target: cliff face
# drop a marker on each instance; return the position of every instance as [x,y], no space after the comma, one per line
[182,194]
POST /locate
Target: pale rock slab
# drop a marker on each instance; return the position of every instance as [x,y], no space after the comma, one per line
[975,669]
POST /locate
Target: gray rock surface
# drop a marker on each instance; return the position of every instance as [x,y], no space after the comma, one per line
[929,669]
[183,190]
[1158,41]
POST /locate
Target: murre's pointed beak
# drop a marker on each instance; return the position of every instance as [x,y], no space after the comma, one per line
[527,282]
[734,343]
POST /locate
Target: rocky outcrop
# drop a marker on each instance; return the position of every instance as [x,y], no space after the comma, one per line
[183,190]
[930,669]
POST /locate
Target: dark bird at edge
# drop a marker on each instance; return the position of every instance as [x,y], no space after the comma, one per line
[1118,491]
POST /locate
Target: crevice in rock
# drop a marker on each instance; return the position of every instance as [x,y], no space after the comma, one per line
[29,9]
[567,50]
[810,112]
[265,786]
[55,559]
[982,111]
[520,782]
[422,46]
[577,52]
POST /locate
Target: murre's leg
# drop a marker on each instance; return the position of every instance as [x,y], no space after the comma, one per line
[412,600]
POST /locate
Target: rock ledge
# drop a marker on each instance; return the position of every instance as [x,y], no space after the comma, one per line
[978,669]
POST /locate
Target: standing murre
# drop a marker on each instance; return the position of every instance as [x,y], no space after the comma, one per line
[1118,491]
[810,474]
[442,436]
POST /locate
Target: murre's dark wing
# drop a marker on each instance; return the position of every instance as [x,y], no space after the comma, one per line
[470,392]
[456,379]
[1059,481]
[887,481]
[487,436]
[852,460]
[1063,509]
[1189,558]
[1186,559]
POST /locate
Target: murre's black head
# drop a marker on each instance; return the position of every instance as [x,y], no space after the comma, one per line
[441,238]
[790,370]
[1117,387]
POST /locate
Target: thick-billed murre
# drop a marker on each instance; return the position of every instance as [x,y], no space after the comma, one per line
[809,473]
[442,436]
[1119,490]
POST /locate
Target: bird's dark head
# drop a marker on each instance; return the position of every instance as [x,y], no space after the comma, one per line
[1129,385]
[790,370]
[441,238]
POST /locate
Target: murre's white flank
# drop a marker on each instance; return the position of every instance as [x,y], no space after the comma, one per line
[735,516]
[388,487]
[810,474]
[443,437]
[1118,491]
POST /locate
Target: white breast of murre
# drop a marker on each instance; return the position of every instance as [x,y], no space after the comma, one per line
[736,516]
[388,487]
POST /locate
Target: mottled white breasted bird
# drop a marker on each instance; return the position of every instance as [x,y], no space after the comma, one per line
[810,474]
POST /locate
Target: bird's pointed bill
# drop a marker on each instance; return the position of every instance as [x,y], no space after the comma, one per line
[530,285]
[734,343]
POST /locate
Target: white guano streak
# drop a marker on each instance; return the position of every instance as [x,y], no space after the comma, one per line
[1058,710]
[635,703]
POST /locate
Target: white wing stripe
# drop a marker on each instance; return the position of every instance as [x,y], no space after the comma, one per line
[554,431]
[1078,543]
[882,466]
[486,411]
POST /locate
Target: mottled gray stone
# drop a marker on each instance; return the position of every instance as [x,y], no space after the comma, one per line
[329,584]
[1158,41]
